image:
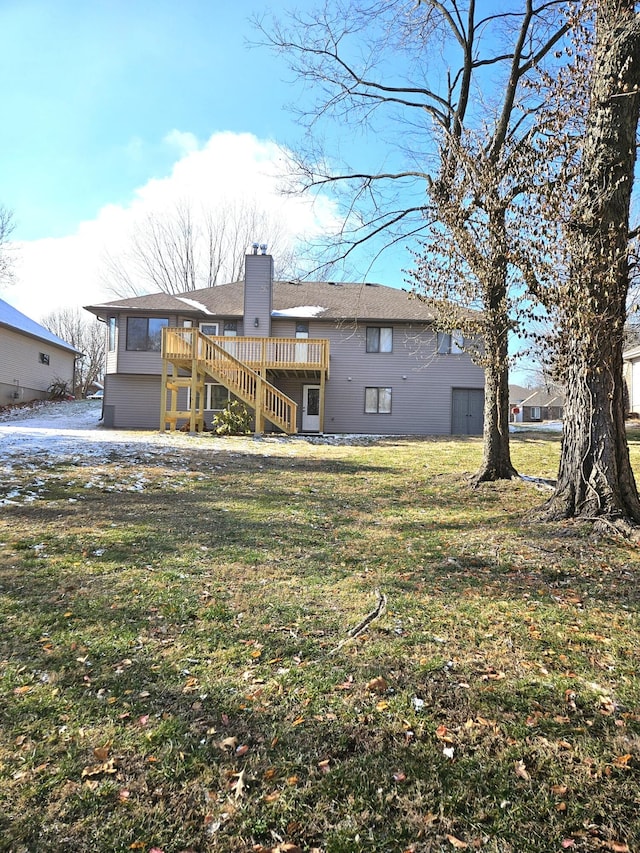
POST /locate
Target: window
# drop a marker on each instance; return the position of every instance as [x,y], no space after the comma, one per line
[535,413]
[450,343]
[216,397]
[302,329]
[112,333]
[377,401]
[144,334]
[209,329]
[379,339]
[230,328]
[44,358]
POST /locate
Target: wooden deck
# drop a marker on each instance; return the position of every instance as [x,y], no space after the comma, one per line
[241,365]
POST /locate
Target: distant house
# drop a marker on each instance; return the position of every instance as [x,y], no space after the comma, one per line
[31,358]
[543,404]
[312,357]
[631,360]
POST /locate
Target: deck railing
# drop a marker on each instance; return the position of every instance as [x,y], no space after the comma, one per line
[258,353]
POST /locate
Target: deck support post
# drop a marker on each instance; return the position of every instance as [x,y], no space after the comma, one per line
[163,395]
[321,409]
[259,428]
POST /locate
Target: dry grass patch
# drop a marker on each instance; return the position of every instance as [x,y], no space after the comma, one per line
[173,673]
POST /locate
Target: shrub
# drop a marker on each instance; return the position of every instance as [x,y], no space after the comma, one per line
[234,419]
[58,390]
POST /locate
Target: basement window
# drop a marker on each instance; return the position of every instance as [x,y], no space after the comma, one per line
[377,401]
[216,397]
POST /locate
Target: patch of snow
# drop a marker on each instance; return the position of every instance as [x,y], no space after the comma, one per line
[194,304]
[300,311]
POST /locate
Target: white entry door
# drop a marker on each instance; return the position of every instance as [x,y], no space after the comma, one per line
[310,408]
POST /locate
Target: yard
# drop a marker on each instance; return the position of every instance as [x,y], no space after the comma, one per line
[176,672]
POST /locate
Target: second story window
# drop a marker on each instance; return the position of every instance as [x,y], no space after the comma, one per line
[44,358]
[450,343]
[379,339]
[112,333]
[144,334]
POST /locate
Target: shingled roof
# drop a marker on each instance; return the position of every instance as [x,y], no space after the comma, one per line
[321,299]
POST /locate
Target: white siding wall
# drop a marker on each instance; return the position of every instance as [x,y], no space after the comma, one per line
[634,402]
[20,367]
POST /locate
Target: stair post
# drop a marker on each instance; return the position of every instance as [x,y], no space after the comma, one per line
[259,410]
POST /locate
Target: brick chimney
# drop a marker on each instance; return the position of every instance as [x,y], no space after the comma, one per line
[258,285]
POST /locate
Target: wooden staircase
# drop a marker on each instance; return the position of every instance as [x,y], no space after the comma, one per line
[189,351]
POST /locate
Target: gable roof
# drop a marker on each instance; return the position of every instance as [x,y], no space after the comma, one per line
[544,397]
[13,319]
[320,299]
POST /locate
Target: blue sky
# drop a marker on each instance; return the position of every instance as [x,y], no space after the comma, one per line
[113,107]
[92,88]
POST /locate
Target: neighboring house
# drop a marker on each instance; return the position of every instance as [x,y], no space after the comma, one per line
[31,358]
[542,404]
[306,357]
[631,360]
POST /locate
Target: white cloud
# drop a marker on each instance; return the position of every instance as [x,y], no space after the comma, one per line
[54,273]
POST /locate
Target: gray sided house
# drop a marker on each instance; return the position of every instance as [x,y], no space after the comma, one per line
[311,357]
[31,358]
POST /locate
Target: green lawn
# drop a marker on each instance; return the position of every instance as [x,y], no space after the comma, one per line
[176,671]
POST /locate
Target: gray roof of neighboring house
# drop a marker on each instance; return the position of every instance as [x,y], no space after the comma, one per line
[11,318]
[517,393]
[322,300]
[544,397]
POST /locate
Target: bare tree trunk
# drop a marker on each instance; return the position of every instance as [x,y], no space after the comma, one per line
[595,476]
[496,462]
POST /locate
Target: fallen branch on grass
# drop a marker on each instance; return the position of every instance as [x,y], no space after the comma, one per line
[379,610]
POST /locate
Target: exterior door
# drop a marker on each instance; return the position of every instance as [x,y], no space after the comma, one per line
[467,413]
[310,408]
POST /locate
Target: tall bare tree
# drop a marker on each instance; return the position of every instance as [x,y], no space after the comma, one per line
[595,478]
[191,247]
[85,334]
[7,225]
[451,74]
